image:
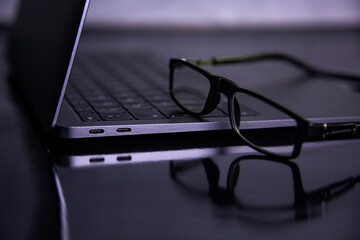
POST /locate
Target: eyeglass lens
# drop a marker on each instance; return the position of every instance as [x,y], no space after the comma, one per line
[190,88]
[283,137]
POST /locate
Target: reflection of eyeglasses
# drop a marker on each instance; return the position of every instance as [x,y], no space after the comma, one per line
[302,199]
[247,193]
[198,92]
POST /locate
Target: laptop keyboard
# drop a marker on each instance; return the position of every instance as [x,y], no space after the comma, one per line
[114,87]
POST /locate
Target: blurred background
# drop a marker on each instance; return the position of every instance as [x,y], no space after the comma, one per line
[210,13]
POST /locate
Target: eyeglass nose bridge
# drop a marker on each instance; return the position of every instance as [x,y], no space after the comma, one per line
[219,85]
[225,86]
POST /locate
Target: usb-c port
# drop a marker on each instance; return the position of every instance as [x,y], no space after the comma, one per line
[123,130]
[123,158]
[96,159]
[96,131]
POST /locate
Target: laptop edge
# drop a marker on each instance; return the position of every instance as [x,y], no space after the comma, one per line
[41,70]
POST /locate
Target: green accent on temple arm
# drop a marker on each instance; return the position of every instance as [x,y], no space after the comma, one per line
[325,130]
[310,70]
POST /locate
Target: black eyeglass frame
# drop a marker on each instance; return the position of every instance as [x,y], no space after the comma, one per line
[218,84]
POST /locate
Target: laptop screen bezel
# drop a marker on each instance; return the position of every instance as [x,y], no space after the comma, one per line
[41,50]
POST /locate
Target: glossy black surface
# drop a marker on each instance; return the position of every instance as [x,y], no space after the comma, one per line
[169,187]
[137,201]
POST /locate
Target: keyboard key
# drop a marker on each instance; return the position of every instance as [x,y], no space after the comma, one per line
[135,99]
[141,105]
[175,113]
[89,117]
[178,113]
[82,108]
[105,104]
[109,109]
[123,94]
[98,98]
[143,114]
[115,116]
[158,98]
[215,113]
[78,102]
[166,104]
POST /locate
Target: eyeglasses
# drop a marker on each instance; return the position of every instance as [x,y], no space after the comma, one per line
[198,92]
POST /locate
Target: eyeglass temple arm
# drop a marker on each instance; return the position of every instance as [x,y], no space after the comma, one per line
[327,130]
[310,70]
[336,189]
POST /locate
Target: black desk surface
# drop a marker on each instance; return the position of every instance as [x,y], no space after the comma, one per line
[175,190]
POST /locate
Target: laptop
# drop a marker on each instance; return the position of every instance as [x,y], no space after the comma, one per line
[92,95]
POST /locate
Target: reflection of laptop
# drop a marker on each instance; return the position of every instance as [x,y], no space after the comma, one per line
[155,149]
[42,52]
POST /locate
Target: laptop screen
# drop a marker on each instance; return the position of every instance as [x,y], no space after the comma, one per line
[40,52]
